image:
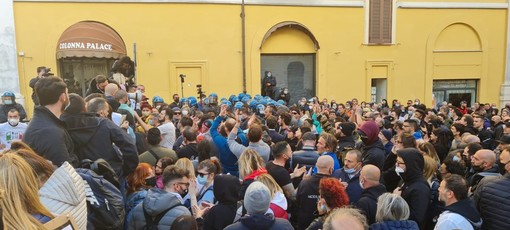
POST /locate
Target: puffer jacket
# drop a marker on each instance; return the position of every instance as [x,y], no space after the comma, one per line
[64,192]
[155,203]
[395,225]
[260,222]
[494,205]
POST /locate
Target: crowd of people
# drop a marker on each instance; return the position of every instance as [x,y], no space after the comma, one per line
[117,160]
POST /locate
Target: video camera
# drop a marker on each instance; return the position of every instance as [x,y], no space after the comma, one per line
[199,91]
[47,72]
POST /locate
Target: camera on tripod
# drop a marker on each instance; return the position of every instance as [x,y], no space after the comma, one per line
[199,90]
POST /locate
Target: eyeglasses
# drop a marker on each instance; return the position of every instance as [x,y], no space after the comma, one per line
[183,183]
[202,174]
[178,113]
[295,113]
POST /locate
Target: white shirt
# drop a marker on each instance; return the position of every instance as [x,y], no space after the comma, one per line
[449,220]
[168,135]
[8,133]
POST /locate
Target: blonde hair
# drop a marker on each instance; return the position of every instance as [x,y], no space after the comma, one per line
[391,207]
[249,161]
[20,196]
[429,150]
[185,163]
[430,167]
[348,212]
[271,184]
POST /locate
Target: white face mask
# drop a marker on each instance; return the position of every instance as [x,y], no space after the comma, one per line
[361,184]
[399,171]
[184,112]
[269,74]
[13,121]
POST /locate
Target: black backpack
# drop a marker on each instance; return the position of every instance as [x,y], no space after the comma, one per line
[105,203]
[152,223]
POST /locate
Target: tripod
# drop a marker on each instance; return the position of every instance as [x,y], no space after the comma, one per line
[182,76]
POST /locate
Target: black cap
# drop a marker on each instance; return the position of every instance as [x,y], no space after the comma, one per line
[504,139]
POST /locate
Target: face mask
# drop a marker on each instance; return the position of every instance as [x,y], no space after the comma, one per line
[68,103]
[399,171]
[361,183]
[184,112]
[145,114]
[501,168]
[202,179]
[324,208]
[184,193]
[310,107]
[456,158]
[269,74]
[13,121]
[397,105]
[410,112]
[151,122]
[302,103]
[285,91]
[151,181]
[350,171]
[8,102]
[416,103]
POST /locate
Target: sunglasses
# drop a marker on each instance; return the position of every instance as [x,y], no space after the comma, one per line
[202,174]
[178,113]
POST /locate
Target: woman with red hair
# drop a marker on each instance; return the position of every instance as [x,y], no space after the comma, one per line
[332,195]
[139,181]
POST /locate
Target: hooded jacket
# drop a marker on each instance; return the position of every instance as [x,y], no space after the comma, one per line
[372,148]
[64,193]
[155,203]
[260,222]
[226,192]
[368,201]
[47,136]
[94,137]
[459,215]
[415,190]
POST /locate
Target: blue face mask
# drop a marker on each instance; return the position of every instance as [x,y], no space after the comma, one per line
[202,179]
[8,102]
[350,171]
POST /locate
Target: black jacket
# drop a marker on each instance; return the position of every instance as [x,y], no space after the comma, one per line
[189,151]
[374,154]
[4,109]
[275,136]
[260,222]
[305,157]
[94,138]
[368,202]
[226,191]
[494,205]
[47,136]
[466,209]
[306,199]
[415,190]
[391,179]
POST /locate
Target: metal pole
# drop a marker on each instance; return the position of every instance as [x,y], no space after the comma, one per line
[134,61]
[243,37]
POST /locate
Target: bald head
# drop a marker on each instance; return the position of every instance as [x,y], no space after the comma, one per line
[371,172]
[470,139]
[110,89]
[486,155]
[325,164]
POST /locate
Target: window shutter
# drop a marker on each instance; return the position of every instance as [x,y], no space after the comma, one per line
[380,21]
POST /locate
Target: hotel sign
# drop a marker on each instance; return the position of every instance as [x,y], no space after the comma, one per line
[85,45]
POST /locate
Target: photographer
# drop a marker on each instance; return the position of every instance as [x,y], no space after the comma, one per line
[42,71]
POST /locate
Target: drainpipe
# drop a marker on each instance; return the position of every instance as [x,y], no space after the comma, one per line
[243,42]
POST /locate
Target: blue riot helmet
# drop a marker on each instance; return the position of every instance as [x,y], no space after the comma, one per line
[248,95]
[206,101]
[240,96]
[8,98]
[245,99]
[184,101]
[228,103]
[233,98]
[253,104]
[239,105]
[257,97]
[192,101]
[213,99]
[281,102]
[157,99]
[263,101]
[267,97]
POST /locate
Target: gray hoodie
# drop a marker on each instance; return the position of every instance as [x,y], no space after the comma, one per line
[155,203]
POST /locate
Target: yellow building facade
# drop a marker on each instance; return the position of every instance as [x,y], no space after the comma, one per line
[450,49]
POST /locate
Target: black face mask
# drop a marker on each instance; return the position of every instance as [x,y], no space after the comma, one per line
[501,168]
[151,181]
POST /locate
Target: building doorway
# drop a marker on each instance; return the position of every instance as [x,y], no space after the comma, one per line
[455,91]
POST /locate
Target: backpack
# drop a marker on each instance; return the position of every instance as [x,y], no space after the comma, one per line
[103,168]
[105,204]
[152,223]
